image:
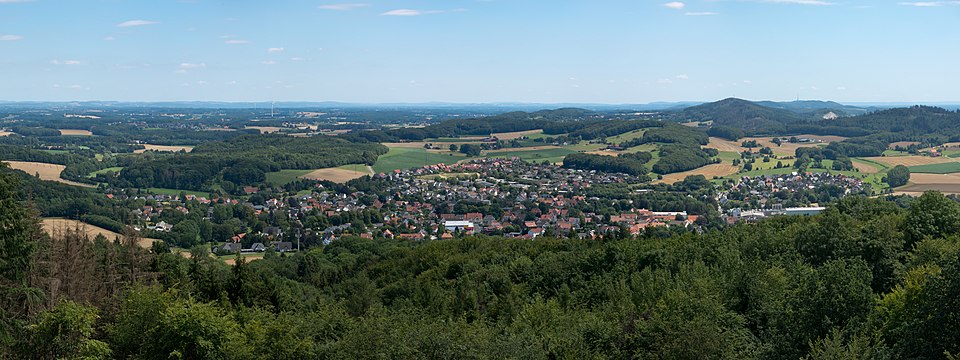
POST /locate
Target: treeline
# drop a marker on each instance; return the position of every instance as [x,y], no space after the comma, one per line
[671,134]
[18,153]
[627,163]
[613,128]
[866,279]
[680,158]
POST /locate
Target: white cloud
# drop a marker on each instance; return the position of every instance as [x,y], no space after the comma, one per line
[297,58]
[268,62]
[65,62]
[275,50]
[748,82]
[13,1]
[342,7]
[236,42]
[701,13]
[130,23]
[10,37]
[403,12]
[184,67]
[231,82]
[683,77]
[665,81]
[675,5]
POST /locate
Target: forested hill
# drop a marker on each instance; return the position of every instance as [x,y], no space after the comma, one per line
[742,114]
[916,120]
[507,122]
[816,107]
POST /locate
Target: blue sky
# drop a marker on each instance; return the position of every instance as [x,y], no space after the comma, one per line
[599,51]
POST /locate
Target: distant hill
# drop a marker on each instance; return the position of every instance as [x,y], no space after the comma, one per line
[742,114]
[817,108]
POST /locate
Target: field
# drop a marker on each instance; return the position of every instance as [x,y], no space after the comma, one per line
[264,129]
[150,147]
[867,166]
[69,132]
[232,259]
[55,225]
[339,174]
[785,148]
[709,171]
[48,172]
[518,134]
[945,183]
[552,155]
[5,133]
[411,157]
[944,168]
[175,192]
[529,148]
[912,160]
[104,171]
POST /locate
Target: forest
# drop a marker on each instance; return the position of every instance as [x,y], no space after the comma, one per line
[869,278]
[627,164]
[243,161]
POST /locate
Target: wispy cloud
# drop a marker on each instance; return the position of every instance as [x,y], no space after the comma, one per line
[131,23]
[675,5]
[268,62]
[701,13]
[929,3]
[236,42]
[275,50]
[683,77]
[342,7]
[297,59]
[403,12]
[13,1]
[65,62]
[185,67]
[10,37]
[412,12]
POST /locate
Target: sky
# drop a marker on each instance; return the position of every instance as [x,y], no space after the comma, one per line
[479,51]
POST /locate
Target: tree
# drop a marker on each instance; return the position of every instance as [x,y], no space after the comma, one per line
[453,147]
[931,215]
[65,333]
[19,238]
[470,149]
[898,176]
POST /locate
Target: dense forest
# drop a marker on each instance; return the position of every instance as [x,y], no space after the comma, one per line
[243,160]
[630,164]
[866,279]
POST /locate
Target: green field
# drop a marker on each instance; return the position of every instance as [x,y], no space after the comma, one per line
[551,155]
[945,168]
[405,158]
[283,177]
[103,171]
[626,136]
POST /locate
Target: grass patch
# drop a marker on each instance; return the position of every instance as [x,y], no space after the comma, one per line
[406,158]
[552,155]
[104,171]
[283,177]
[945,168]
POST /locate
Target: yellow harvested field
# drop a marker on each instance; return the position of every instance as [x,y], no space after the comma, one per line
[865,168]
[902,144]
[75,132]
[604,152]
[247,257]
[264,129]
[338,175]
[163,148]
[785,148]
[5,133]
[49,172]
[517,134]
[913,160]
[56,225]
[708,171]
[531,148]
[945,183]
